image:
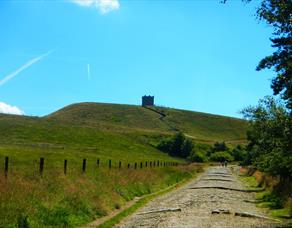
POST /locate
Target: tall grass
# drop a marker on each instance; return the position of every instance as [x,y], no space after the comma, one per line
[56,200]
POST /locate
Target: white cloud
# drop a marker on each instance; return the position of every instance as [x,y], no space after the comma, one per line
[103,6]
[8,109]
[23,67]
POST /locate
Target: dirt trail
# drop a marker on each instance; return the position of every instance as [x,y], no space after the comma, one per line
[205,202]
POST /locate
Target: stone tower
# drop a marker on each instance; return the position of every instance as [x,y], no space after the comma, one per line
[148,101]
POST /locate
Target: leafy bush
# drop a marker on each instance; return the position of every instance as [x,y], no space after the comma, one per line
[239,153]
[177,146]
[275,201]
[220,146]
[270,137]
[164,145]
[221,156]
[22,221]
[198,157]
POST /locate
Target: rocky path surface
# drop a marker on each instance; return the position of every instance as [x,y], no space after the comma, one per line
[216,199]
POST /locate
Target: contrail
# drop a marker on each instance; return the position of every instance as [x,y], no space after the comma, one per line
[22,68]
[88,72]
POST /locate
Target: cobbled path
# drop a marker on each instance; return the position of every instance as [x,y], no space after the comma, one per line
[193,204]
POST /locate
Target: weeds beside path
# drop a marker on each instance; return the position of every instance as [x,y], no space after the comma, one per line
[58,200]
[130,207]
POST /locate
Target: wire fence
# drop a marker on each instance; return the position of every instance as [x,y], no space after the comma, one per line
[109,164]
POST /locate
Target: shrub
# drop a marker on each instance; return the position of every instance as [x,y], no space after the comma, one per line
[22,221]
[164,145]
[198,157]
[269,137]
[220,146]
[221,156]
[239,153]
[177,146]
[275,201]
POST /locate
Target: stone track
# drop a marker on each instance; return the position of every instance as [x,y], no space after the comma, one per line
[209,201]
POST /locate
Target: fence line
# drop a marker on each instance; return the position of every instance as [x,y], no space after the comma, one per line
[150,164]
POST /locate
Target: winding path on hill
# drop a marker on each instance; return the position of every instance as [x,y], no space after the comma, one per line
[216,199]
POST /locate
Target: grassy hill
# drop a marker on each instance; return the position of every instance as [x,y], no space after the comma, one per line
[98,125]
[123,132]
[93,131]
[200,126]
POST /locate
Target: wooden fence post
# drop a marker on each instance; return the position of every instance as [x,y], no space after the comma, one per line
[65,167]
[150,164]
[6,166]
[135,165]
[120,165]
[109,164]
[84,165]
[128,166]
[164,163]
[158,163]
[97,162]
[42,162]
[146,164]
[141,165]
[154,164]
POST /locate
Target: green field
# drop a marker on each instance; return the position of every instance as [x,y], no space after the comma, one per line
[94,131]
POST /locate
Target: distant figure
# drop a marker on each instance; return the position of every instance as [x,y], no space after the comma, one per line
[225,163]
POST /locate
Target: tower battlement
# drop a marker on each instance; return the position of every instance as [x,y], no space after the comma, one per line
[148,100]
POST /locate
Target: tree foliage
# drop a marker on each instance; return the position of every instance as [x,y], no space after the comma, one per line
[178,146]
[270,137]
[239,153]
[220,146]
[199,153]
[278,14]
[221,156]
[198,156]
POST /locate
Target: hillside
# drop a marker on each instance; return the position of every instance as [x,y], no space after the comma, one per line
[121,132]
[200,126]
[92,131]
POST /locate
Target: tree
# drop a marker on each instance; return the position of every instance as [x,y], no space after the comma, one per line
[239,153]
[278,14]
[221,156]
[187,148]
[177,146]
[270,134]
[197,156]
[164,145]
[220,146]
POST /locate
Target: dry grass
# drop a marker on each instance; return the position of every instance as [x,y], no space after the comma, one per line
[57,200]
[277,194]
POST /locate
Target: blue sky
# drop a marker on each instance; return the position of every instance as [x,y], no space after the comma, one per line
[195,55]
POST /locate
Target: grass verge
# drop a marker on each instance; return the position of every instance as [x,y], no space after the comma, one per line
[140,203]
[277,206]
[56,200]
